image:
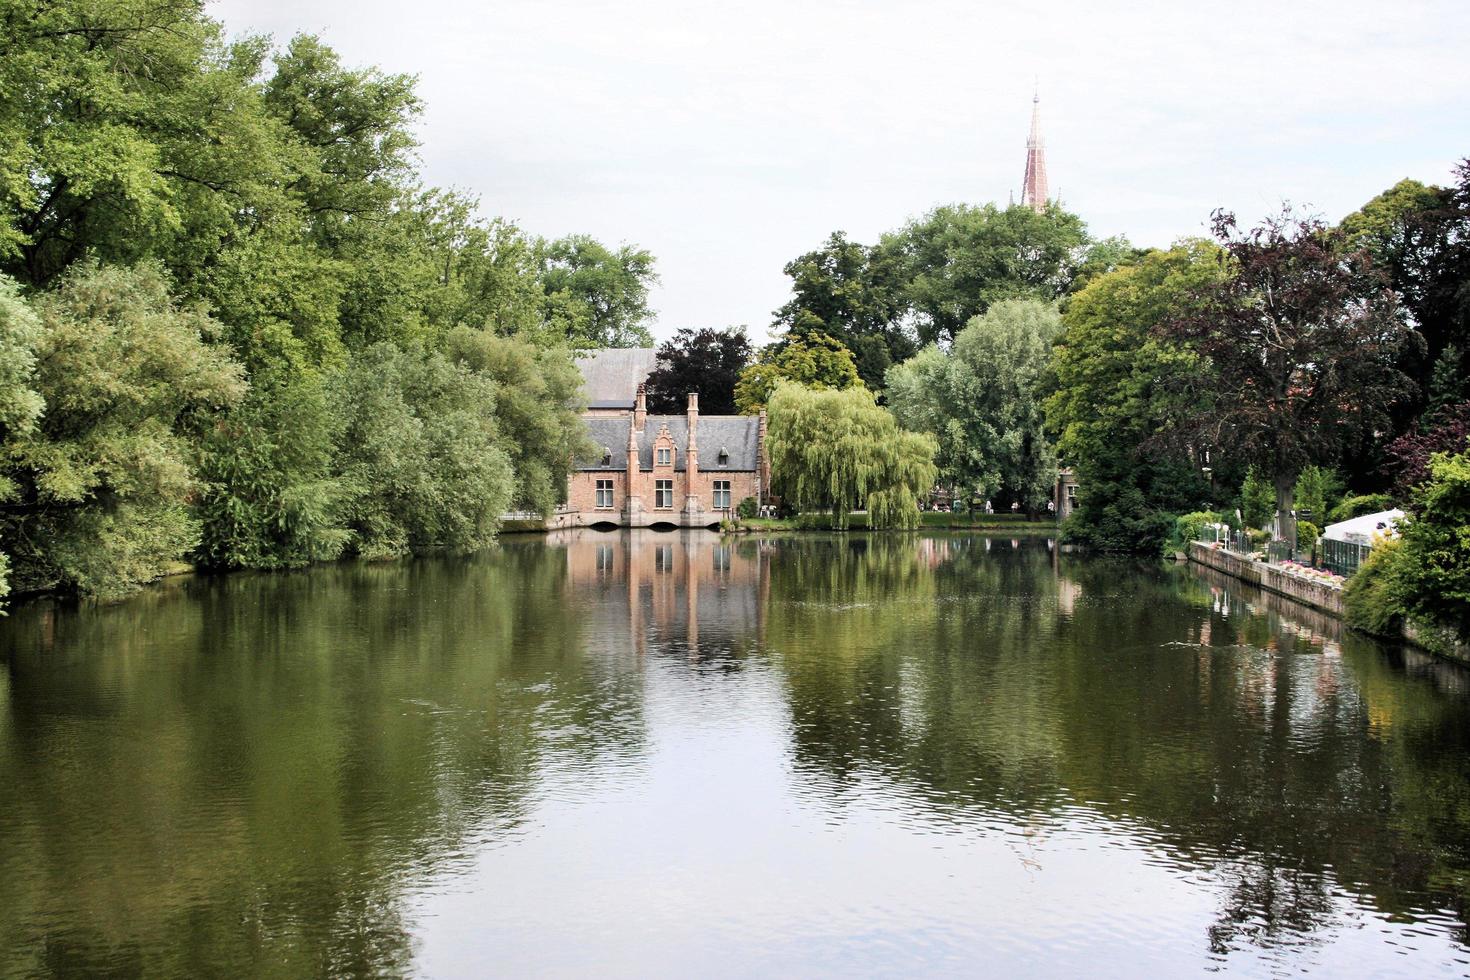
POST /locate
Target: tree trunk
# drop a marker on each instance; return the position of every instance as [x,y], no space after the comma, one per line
[1285,522]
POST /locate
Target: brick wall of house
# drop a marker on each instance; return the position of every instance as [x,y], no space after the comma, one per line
[582,493]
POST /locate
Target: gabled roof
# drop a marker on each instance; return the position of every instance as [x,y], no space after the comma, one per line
[738,435]
[611,376]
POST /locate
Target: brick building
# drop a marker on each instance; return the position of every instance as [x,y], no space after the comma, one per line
[682,470]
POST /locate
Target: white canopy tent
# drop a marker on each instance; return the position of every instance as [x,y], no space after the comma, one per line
[1360,530]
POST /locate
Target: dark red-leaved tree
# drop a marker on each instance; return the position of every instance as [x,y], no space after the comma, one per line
[1302,339]
[706,362]
[1447,430]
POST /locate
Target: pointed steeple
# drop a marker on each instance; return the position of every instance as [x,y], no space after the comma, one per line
[1033,189]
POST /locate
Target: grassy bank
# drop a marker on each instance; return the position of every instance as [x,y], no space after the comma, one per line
[1001,523]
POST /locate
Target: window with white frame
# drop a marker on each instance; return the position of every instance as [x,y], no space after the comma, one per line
[604,494]
[665,456]
[722,495]
[663,494]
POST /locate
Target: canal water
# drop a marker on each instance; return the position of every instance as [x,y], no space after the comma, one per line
[645,754]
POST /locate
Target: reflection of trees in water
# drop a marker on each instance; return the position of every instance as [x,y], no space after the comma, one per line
[256,767]
[1269,905]
[1019,681]
[252,769]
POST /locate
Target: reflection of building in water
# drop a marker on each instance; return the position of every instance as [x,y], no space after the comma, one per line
[689,588]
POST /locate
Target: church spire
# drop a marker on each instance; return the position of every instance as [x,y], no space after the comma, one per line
[1033,190]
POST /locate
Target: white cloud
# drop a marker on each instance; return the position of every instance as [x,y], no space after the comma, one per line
[728,138]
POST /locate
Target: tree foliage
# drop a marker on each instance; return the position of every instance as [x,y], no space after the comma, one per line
[1443,430]
[212,236]
[957,260]
[1257,498]
[706,362]
[838,450]
[1303,339]
[99,489]
[1433,565]
[537,407]
[609,287]
[982,402]
[812,360]
[852,293]
[1420,236]
[1425,574]
[1119,387]
[420,462]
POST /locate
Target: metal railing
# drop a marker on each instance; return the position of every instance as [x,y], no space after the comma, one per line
[1343,557]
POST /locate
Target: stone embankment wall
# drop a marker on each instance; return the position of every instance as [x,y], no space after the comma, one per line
[1321,596]
[1318,595]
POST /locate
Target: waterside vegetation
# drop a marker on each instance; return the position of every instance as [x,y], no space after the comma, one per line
[237,330]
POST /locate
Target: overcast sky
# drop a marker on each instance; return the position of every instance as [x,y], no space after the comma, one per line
[730,137]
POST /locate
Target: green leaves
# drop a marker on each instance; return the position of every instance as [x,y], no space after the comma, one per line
[419,455]
[606,289]
[838,450]
[983,402]
[100,487]
[812,360]
[1120,389]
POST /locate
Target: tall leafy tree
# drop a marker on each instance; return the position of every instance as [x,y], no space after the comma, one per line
[850,292]
[1303,339]
[609,286]
[420,457]
[839,450]
[269,496]
[537,410]
[99,491]
[20,403]
[983,402]
[706,362]
[813,360]
[1420,235]
[1119,386]
[957,260]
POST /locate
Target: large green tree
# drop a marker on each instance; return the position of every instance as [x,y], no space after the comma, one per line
[20,403]
[420,458]
[1420,235]
[537,409]
[99,490]
[1119,387]
[839,451]
[1303,340]
[813,360]
[853,293]
[958,259]
[609,286]
[982,401]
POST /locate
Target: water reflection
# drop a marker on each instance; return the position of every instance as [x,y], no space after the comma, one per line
[668,752]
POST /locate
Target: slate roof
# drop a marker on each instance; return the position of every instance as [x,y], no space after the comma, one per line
[738,435]
[611,376]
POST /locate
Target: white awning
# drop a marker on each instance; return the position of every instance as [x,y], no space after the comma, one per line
[1361,530]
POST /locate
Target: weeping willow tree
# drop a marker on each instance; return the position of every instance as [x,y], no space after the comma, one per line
[839,451]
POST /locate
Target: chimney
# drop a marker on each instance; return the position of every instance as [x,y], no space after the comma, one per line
[691,452]
[640,408]
[632,471]
[762,462]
